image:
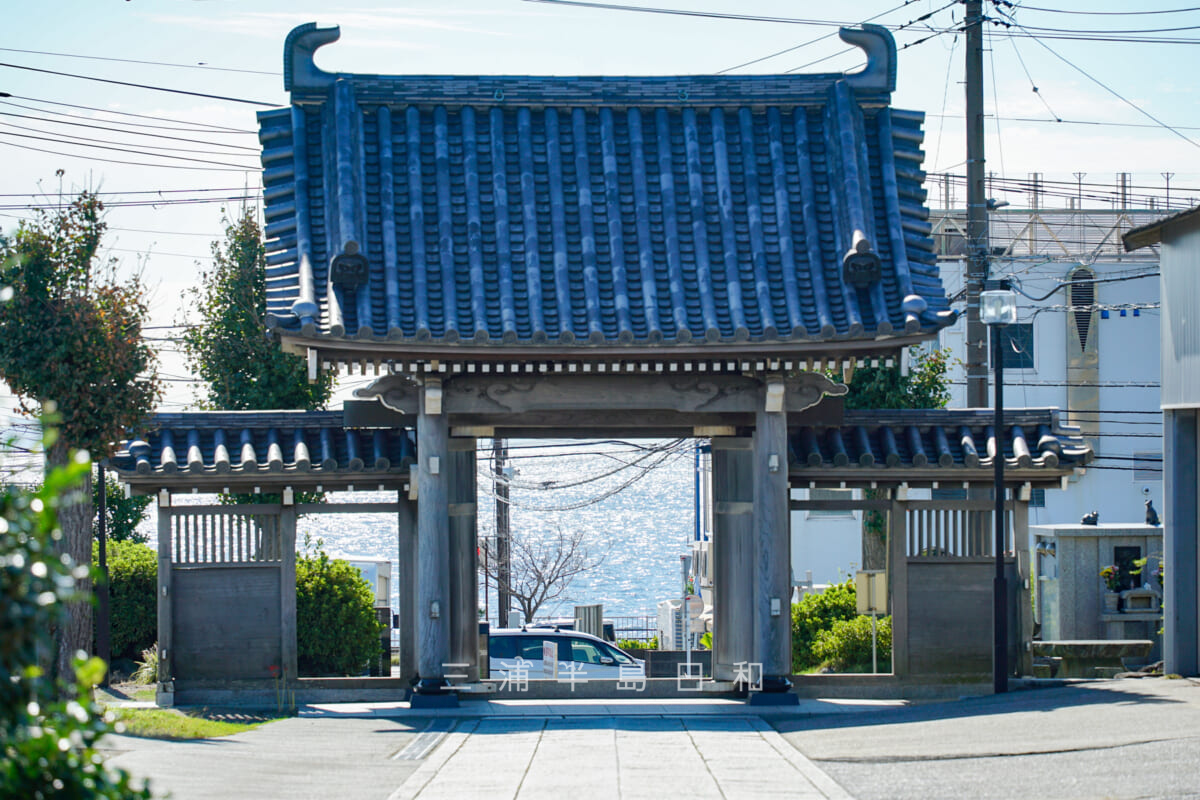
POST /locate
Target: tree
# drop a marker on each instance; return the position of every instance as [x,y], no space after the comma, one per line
[229,347]
[539,570]
[70,339]
[48,728]
[122,514]
[926,385]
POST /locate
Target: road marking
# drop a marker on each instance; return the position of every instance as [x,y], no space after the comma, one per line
[424,742]
[429,768]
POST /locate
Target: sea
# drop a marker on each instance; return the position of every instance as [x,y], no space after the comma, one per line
[633,502]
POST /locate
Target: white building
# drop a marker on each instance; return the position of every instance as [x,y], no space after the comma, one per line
[1087,342]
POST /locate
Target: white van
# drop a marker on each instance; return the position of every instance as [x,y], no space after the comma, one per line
[580,655]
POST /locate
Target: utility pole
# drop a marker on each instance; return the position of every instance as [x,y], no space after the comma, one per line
[977,220]
[500,485]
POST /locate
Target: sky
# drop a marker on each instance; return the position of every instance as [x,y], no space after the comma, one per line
[191,160]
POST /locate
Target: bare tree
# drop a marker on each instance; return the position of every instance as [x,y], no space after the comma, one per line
[539,570]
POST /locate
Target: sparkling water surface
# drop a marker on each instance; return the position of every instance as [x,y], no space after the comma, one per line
[639,529]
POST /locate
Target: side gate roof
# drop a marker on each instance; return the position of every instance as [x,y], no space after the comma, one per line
[514,216]
[244,451]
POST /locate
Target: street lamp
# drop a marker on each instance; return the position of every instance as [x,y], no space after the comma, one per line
[997,308]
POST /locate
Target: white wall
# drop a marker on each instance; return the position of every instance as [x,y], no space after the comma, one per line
[1129,379]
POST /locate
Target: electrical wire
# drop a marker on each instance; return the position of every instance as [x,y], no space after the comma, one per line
[140,85]
[119,161]
[255,150]
[194,125]
[135,61]
[1112,91]
[1023,7]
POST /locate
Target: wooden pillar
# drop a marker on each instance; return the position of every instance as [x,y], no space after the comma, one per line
[287,587]
[772,551]
[898,583]
[433,544]
[165,644]
[732,555]
[406,583]
[464,587]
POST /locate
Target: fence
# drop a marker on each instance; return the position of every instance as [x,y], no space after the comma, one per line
[204,535]
[949,529]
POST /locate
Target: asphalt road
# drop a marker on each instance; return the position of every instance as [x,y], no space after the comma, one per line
[1118,739]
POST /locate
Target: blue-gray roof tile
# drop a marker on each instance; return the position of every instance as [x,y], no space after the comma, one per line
[517,211]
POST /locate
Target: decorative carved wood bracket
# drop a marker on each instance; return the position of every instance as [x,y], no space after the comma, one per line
[498,397]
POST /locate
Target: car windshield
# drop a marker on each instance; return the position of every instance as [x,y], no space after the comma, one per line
[617,655]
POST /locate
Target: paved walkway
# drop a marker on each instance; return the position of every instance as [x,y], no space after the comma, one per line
[619,757]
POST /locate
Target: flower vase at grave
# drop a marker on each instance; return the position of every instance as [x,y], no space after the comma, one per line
[1111,602]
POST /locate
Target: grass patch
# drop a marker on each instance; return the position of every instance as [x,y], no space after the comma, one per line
[174,724]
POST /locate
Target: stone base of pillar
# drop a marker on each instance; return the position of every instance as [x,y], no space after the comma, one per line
[448,700]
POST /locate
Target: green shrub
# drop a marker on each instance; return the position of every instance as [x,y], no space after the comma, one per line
[48,728]
[846,647]
[337,632]
[816,613]
[132,597]
[638,644]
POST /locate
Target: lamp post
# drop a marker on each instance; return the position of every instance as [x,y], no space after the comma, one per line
[997,308]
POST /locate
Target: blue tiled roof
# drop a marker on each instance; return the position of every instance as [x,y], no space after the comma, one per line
[215,449]
[510,211]
[1033,439]
[231,448]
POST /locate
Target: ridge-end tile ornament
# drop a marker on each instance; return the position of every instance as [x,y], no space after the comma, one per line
[348,270]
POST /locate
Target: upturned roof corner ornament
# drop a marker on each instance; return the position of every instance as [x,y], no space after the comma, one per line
[880,73]
[299,69]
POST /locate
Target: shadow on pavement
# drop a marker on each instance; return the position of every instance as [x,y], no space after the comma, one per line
[1020,701]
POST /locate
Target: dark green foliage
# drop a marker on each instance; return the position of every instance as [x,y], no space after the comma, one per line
[70,339]
[123,514]
[133,598]
[925,386]
[337,632]
[48,728]
[846,647]
[71,332]
[229,348]
[816,613]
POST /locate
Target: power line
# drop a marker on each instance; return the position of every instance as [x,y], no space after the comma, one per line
[119,161]
[221,128]
[1094,13]
[135,61]
[122,149]
[1112,91]
[87,141]
[140,85]
[806,44]
[254,150]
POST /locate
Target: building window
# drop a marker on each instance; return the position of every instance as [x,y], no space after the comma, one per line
[1147,466]
[1037,498]
[947,494]
[1016,343]
[830,494]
